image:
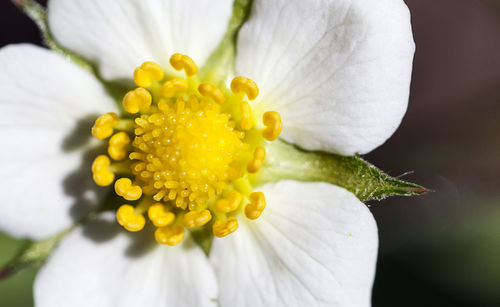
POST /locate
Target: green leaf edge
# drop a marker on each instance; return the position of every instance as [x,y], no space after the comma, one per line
[353,173]
[221,61]
[34,253]
[38,14]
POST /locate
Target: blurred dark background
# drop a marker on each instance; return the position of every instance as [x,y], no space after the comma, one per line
[442,249]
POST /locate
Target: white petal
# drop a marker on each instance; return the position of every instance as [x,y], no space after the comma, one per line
[337,71]
[314,245]
[120,35]
[103,265]
[48,106]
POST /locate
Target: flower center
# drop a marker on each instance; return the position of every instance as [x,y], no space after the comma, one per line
[188,150]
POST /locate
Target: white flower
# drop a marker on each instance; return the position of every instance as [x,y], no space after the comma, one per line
[338,72]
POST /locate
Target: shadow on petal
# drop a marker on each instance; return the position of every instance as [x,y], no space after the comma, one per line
[105,228]
[102,229]
[80,135]
[78,184]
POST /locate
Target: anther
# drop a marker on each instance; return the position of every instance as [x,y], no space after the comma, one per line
[104,125]
[231,203]
[272,121]
[246,115]
[125,189]
[129,219]
[147,73]
[196,219]
[223,228]
[173,87]
[180,62]
[188,151]
[208,90]
[257,204]
[136,100]
[160,216]
[242,84]
[117,146]
[169,235]
[100,171]
[258,158]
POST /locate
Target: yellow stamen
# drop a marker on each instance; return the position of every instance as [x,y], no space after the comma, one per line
[147,73]
[257,204]
[169,235]
[208,90]
[189,156]
[231,203]
[118,145]
[160,216]
[180,62]
[223,228]
[136,100]
[246,116]
[104,125]
[125,189]
[129,219]
[245,85]
[196,219]
[100,171]
[258,159]
[173,87]
[272,121]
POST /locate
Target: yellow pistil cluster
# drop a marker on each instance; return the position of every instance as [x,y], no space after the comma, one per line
[189,149]
[186,152]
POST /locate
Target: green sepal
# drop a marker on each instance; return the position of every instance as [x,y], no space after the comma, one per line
[221,61]
[33,254]
[38,14]
[203,238]
[286,161]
